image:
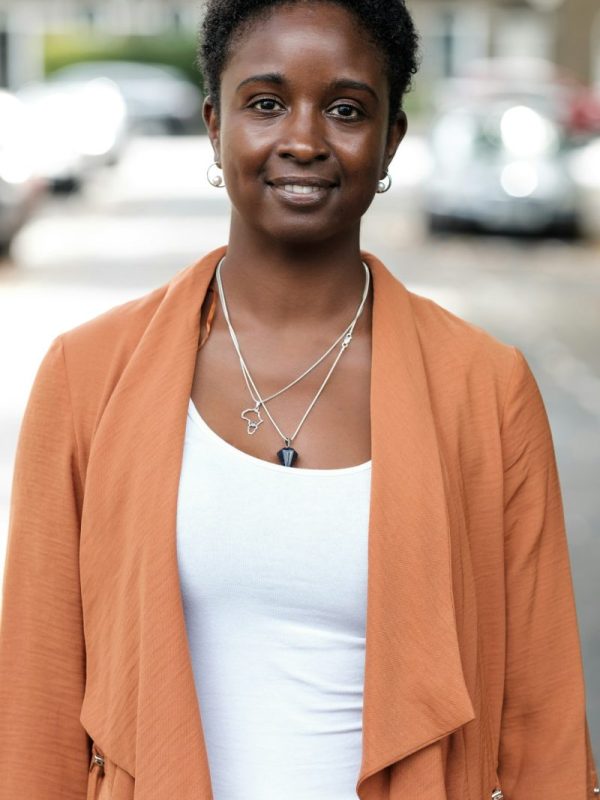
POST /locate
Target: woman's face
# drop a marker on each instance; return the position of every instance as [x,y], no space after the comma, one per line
[303,134]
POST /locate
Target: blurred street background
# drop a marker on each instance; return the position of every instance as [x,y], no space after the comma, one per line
[494,210]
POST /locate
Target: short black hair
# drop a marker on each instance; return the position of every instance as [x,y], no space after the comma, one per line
[388,23]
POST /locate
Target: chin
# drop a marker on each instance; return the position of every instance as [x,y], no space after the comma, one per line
[306,229]
[300,234]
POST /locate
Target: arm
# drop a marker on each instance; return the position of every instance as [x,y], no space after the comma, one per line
[544,739]
[44,751]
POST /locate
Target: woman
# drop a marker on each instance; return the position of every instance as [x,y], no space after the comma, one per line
[207,476]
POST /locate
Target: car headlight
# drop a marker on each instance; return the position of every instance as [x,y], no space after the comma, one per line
[100,117]
[15,167]
[15,146]
[584,165]
[519,178]
[525,133]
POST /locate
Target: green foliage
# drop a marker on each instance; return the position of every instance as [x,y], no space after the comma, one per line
[176,49]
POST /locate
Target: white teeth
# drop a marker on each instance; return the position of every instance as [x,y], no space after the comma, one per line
[295,189]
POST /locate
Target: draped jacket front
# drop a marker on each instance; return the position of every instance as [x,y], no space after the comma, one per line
[473,685]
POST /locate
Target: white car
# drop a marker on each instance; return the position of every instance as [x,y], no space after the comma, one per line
[501,166]
[80,126]
[159,97]
[20,186]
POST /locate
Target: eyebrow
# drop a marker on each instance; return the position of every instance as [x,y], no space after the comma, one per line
[340,83]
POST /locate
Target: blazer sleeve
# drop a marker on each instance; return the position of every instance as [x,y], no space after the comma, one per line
[44,749]
[544,748]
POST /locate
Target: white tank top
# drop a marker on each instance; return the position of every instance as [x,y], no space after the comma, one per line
[273,568]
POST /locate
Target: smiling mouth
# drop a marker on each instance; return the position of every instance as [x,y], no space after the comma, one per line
[297,189]
[301,195]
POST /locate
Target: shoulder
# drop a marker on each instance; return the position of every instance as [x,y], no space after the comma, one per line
[485,384]
[89,359]
[98,350]
[453,350]
[109,338]
[480,388]
[458,350]
[93,356]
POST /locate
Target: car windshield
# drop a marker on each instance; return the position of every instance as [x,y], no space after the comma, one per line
[518,130]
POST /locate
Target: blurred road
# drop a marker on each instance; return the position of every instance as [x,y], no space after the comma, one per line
[137,224]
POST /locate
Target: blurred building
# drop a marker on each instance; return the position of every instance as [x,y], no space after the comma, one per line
[23,24]
[453,31]
[456,31]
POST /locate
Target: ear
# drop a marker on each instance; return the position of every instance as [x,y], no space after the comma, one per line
[396,133]
[209,115]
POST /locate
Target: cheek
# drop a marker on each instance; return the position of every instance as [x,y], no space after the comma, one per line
[360,176]
[245,152]
[360,159]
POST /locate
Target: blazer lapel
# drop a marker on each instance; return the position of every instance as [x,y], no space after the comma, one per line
[414,690]
[171,758]
[140,704]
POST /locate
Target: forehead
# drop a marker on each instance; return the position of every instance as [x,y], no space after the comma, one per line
[305,40]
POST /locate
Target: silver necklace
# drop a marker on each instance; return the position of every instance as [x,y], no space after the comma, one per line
[287,455]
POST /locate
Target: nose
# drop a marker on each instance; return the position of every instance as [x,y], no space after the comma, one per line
[302,136]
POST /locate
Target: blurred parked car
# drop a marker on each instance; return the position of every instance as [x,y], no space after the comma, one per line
[501,166]
[584,164]
[158,96]
[81,126]
[20,187]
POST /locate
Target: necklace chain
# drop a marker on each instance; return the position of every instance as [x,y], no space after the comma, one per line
[345,339]
[304,374]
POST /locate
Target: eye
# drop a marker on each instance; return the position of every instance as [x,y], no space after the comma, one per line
[272,100]
[349,111]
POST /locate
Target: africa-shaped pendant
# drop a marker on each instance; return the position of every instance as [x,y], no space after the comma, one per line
[287,456]
[253,418]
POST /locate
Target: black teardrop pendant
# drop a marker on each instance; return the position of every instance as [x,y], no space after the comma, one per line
[287,456]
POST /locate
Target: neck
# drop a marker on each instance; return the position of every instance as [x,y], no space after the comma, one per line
[282,284]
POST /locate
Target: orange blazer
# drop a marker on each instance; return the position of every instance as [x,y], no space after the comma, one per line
[473,686]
